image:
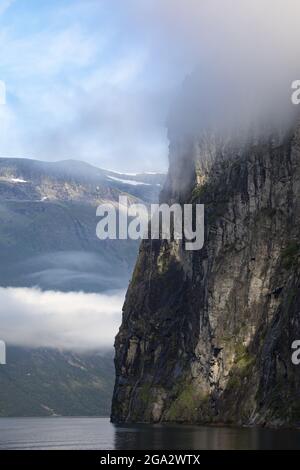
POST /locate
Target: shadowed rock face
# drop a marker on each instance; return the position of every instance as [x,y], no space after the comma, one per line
[206,336]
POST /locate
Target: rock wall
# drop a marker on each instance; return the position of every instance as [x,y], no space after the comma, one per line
[206,336]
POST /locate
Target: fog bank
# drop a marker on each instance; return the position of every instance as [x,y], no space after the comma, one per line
[71,321]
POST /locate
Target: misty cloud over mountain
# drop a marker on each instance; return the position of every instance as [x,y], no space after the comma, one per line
[242,64]
[62,287]
[101,91]
[70,321]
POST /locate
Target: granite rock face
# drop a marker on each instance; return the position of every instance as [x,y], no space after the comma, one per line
[206,335]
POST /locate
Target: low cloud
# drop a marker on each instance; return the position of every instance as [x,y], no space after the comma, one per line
[70,321]
[72,271]
[241,64]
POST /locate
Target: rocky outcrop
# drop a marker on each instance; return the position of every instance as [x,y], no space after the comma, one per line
[206,335]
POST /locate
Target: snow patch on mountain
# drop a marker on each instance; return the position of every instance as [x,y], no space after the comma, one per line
[131,182]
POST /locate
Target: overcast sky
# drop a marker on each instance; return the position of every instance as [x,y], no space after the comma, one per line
[94,79]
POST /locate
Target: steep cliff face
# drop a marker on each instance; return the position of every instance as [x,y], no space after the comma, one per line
[206,335]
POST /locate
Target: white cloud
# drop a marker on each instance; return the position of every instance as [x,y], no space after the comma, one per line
[77,88]
[74,320]
[245,60]
[5,4]
[45,54]
[95,81]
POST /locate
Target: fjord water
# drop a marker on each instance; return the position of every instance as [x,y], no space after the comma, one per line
[100,434]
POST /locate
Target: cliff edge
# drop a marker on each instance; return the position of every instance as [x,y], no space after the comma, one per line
[206,335]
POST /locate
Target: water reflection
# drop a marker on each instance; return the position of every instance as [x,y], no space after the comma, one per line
[100,434]
[203,437]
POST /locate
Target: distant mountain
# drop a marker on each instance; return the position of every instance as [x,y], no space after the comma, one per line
[43,382]
[48,239]
[72,180]
[48,224]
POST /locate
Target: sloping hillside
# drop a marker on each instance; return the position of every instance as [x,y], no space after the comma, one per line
[48,239]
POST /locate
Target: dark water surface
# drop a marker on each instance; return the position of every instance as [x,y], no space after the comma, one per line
[99,433]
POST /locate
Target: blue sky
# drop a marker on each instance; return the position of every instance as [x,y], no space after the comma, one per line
[85,79]
[95,79]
